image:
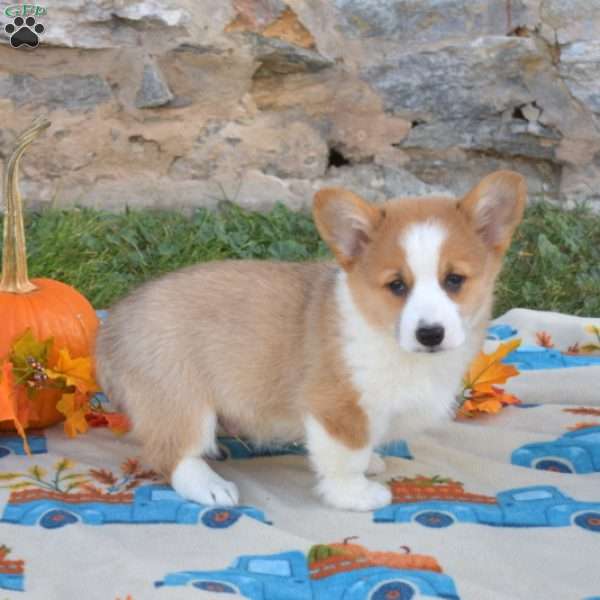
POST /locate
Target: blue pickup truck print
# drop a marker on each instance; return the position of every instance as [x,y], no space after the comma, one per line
[534,506]
[236,448]
[501,332]
[531,358]
[574,452]
[12,581]
[287,576]
[11,443]
[12,575]
[147,504]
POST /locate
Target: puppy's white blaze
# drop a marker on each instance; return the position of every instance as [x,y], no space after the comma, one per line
[428,303]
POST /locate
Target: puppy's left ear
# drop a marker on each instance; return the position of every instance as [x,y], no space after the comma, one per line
[495,207]
[346,223]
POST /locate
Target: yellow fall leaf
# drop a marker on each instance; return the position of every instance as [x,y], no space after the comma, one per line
[76,424]
[37,472]
[589,348]
[593,329]
[64,464]
[74,411]
[76,371]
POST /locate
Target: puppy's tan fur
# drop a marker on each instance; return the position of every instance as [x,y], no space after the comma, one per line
[259,343]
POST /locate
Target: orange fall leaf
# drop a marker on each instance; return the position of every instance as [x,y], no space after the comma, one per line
[544,339]
[117,422]
[14,406]
[480,389]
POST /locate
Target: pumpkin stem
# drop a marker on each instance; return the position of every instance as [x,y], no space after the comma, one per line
[347,539]
[14,254]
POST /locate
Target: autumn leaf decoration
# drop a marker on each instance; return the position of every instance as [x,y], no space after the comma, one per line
[544,339]
[584,410]
[63,479]
[583,425]
[481,393]
[26,370]
[14,406]
[132,475]
[593,346]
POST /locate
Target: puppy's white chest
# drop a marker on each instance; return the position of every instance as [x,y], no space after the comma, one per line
[413,392]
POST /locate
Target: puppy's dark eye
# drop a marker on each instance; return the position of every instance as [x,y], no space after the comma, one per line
[453,282]
[398,287]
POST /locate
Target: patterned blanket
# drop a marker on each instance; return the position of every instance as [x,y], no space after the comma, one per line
[503,506]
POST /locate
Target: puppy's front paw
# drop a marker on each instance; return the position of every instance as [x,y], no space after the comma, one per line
[376,465]
[219,491]
[195,480]
[355,493]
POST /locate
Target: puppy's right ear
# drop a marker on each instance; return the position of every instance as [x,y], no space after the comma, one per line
[346,223]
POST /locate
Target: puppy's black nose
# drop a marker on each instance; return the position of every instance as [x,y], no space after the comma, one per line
[430,335]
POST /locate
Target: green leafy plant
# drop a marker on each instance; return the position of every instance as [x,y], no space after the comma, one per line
[35,477]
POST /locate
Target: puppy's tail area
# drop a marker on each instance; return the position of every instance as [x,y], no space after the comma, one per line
[105,375]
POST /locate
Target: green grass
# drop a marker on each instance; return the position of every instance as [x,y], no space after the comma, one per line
[553,264]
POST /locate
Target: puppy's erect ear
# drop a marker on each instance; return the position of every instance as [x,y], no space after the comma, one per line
[346,222]
[495,207]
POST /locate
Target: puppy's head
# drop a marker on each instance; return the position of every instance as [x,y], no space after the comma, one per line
[424,269]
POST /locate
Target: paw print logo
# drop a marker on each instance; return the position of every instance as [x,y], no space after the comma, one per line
[24,32]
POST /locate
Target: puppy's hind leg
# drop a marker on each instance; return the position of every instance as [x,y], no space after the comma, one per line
[193,478]
[176,439]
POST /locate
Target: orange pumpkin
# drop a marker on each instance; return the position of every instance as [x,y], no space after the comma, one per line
[394,560]
[48,307]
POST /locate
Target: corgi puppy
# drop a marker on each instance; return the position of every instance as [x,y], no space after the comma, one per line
[341,355]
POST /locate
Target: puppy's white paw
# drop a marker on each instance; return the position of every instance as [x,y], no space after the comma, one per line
[221,492]
[376,465]
[195,480]
[354,493]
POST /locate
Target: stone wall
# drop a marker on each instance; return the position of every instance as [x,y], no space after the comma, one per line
[188,102]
